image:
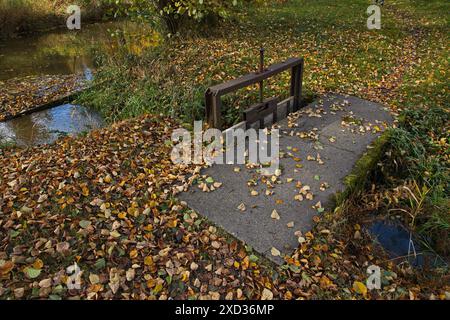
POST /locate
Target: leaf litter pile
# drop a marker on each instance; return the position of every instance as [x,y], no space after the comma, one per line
[20,95]
[107,203]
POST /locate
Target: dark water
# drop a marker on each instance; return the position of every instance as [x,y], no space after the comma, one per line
[395,239]
[47,125]
[71,51]
[401,246]
[59,52]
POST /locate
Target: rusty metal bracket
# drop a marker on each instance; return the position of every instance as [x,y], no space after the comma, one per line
[213,94]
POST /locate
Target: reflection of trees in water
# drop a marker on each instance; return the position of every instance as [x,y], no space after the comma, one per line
[52,53]
[67,52]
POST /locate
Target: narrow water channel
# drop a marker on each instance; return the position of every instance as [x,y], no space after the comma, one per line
[48,125]
[60,52]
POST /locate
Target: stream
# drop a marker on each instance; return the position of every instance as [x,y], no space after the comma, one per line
[48,125]
[59,52]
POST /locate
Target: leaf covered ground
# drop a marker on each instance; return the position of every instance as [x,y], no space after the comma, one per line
[107,201]
[20,95]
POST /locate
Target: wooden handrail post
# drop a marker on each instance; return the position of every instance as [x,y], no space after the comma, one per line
[296,85]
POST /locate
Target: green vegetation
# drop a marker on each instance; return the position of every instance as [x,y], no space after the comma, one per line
[359,178]
[107,200]
[174,15]
[418,167]
[404,66]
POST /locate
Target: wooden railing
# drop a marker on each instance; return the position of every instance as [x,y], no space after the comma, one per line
[213,94]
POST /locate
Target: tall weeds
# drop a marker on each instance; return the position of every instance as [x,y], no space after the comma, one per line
[418,159]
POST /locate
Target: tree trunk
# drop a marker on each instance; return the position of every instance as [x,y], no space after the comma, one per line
[171,20]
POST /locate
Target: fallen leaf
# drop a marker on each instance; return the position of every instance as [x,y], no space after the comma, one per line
[242,207]
[46,283]
[266,294]
[360,288]
[275,252]
[32,273]
[275,215]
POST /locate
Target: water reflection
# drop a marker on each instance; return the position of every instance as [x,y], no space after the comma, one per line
[47,125]
[71,52]
[38,55]
[395,239]
[59,53]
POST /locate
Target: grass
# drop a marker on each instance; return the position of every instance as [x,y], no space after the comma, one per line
[404,66]
[358,179]
[6,144]
[418,159]
[177,73]
[341,55]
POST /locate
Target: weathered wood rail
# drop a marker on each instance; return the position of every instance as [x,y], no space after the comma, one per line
[214,103]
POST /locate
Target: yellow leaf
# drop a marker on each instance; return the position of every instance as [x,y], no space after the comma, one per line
[275,215]
[133,253]
[85,191]
[133,211]
[266,294]
[148,261]
[275,252]
[6,267]
[185,276]
[172,223]
[158,288]
[115,234]
[325,282]
[360,288]
[151,283]
[38,264]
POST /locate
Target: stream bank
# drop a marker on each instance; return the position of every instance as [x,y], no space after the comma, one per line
[41,74]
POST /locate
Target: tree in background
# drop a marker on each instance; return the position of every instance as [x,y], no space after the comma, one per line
[173,12]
